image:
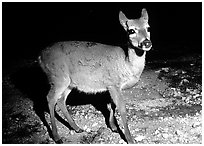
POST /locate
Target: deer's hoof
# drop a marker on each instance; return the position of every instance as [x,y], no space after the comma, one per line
[114,129]
[79,131]
[59,141]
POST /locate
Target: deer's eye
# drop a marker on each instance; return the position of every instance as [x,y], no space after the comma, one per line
[131,31]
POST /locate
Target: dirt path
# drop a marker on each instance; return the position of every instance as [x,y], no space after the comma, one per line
[165,107]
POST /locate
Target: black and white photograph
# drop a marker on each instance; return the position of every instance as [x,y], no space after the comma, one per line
[101,72]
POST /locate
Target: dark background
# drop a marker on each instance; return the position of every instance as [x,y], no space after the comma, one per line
[176,28]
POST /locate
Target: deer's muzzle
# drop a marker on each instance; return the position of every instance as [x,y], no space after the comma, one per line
[146,45]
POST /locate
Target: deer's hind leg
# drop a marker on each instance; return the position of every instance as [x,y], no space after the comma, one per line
[52,97]
[62,104]
[59,79]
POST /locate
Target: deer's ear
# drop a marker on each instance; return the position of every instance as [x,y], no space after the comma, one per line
[123,20]
[144,14]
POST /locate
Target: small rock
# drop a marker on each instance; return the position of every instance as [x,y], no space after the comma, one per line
[88,129]
[165,130]
[188,90]
[72,132]
[166,69]
[85,127]
[157,132]
[165,135]
[94,124]
[183,98]
[140,138]
[178,132]
[196,95]
[183,81]
[77,113]
[157,71]
[196,124]
[136,129]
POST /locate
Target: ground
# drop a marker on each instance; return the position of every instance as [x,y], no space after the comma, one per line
[165,107]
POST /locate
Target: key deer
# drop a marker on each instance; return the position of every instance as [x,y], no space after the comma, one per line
[94,67]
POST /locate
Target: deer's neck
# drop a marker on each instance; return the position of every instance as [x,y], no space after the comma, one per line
[135,63]
[136,58]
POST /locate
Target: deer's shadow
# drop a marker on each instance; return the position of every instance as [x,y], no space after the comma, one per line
[33,83]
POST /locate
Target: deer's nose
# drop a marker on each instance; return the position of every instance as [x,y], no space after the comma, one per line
[147,43]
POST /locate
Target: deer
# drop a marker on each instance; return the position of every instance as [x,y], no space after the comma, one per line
[94,68]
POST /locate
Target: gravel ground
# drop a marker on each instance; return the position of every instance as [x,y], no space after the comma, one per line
[165,107]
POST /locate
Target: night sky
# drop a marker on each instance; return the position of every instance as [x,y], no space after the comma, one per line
[176,28]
